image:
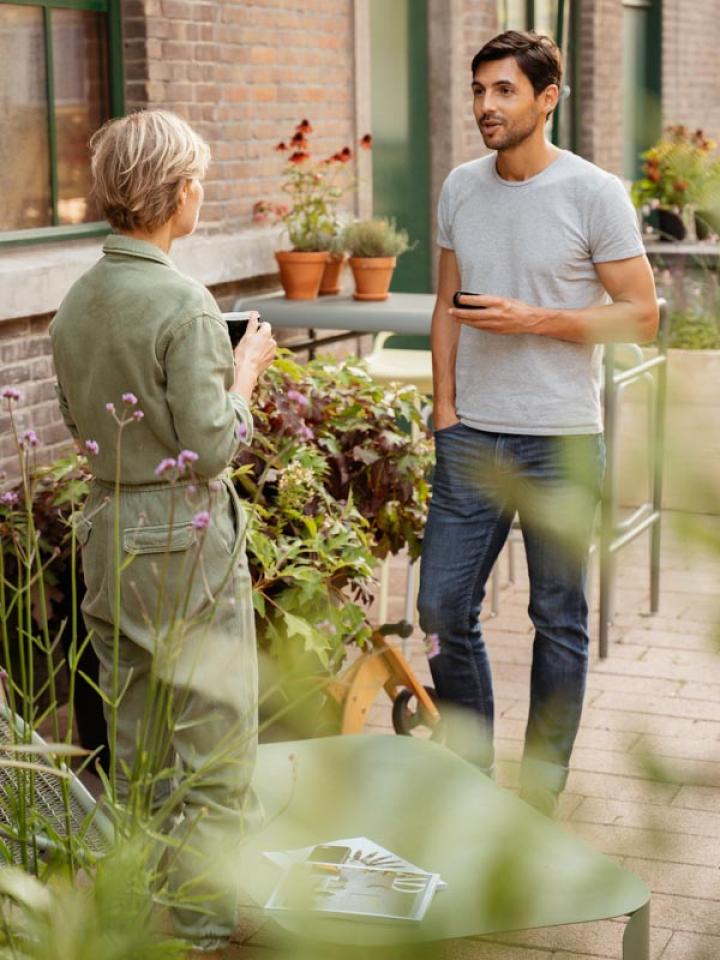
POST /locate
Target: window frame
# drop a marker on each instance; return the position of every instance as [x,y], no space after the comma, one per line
[112,9]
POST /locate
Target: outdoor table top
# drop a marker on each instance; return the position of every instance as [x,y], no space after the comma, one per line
[408,313]
[506,866]
[679,248]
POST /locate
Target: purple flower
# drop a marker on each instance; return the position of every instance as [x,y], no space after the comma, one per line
[29,439]
[168,463]
[92,446]
[241,431]
[201,521]
[298,397]
[130,399]
[185,459]
[138,415]
[9,499]
[306,433]
[432,645]
[110,407]
[10,393]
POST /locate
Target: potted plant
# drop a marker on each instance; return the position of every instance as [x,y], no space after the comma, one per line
[374,246]
[681,176]
[314,188]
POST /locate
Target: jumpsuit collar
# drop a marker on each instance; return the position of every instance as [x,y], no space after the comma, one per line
[131,247]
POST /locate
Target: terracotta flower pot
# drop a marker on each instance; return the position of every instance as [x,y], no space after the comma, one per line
[372,277]
[301,272]
[330,282]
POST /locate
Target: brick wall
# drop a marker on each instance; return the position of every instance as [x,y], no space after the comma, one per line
[479,24]
[600,83]
[26,364]
[691,65]
[244,72]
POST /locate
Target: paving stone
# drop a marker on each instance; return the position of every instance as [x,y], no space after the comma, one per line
[699,798]
[482,949]
[649,844]
[683,668]
[626,788]
[600,939]
[619,682]
[666,707]
[684,747]
[677,878]
[689,946]
[648,815]
[686,913]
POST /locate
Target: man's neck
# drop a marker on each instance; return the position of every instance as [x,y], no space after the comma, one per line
[527,159]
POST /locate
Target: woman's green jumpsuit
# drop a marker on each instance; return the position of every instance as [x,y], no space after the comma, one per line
[168,566]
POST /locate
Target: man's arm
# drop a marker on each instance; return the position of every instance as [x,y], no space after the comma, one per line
[632,317]
[444,338]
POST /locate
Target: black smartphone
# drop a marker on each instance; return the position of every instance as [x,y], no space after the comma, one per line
[465,306]
[329,853]
[237,325]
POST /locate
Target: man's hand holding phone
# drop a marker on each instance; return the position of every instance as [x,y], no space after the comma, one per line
[496,314]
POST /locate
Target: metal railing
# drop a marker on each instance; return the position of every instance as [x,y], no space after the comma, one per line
[614,532]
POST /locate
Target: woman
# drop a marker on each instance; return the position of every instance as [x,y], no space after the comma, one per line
[150,389]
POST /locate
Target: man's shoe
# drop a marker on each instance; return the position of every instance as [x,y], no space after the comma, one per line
[543,800]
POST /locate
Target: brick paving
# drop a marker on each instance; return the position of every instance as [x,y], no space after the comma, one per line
[645,780]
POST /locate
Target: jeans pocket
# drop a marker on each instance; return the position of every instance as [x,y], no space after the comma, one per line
[444,431]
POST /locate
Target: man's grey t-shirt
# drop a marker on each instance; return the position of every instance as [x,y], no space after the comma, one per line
[535,240]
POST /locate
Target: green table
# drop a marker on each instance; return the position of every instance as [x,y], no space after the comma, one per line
[507,867]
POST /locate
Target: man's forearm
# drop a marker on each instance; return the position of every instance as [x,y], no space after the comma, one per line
[444,339]
[619,322]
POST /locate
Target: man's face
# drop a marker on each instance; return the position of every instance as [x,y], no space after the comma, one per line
[505,106]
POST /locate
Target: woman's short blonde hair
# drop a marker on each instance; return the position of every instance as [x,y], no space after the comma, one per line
[139,165]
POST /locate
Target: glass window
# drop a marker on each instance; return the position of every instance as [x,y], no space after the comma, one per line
[55,92]
[82,104]
[512,14]
[25,199]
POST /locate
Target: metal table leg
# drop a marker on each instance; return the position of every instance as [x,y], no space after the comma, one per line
[636,940]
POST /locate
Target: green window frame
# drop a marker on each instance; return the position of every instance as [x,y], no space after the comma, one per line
[112,9]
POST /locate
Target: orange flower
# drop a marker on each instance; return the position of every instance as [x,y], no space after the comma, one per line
[299,156]
[299,142]
[304,127]
[366,142]
[345,155]
[281,147]
[680,185]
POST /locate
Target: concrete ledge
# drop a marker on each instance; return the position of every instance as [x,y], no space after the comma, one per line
[33,280]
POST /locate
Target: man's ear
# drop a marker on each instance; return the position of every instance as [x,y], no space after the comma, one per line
[551,96]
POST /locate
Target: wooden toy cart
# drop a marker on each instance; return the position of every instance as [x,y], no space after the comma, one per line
[385,666]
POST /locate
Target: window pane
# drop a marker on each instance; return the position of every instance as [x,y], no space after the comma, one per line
[81,105]
[546,16]
[24,152]
[512,14]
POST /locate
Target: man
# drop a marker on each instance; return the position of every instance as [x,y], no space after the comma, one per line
[548,246]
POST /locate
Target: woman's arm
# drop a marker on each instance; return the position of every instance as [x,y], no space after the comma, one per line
[208,418]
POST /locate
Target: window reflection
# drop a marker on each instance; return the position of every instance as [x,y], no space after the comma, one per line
[25,200]
[81,105]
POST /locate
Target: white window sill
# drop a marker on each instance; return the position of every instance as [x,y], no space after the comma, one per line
[34,280]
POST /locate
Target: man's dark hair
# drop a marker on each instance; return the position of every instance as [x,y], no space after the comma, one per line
[538,57]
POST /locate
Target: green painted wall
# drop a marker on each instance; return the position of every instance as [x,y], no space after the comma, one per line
[401,182]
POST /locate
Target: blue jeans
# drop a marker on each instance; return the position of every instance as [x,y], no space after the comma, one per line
[481,481]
